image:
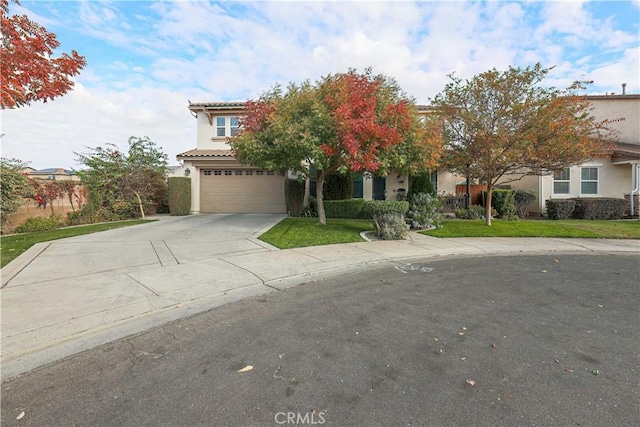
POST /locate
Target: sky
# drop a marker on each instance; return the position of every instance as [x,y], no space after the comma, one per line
[147,59]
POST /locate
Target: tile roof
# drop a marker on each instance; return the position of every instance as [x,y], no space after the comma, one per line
[232,105]
[206,153]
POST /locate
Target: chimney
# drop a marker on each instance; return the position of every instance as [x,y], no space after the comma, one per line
[624,88]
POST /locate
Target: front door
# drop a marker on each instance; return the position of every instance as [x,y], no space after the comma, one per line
[379,188]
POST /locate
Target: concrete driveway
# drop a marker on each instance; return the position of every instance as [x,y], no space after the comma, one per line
[103,284]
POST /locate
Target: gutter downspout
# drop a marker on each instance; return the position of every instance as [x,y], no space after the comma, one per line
[635,174]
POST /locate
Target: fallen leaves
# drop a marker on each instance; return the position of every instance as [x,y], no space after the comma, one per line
[569,370]
[245,369]
[471,382]
[494,346]
[20,415]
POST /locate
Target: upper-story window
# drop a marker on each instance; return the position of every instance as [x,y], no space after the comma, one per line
[234,123]
[221,126]
[227,126]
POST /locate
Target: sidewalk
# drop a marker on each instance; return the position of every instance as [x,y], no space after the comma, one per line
[118,290]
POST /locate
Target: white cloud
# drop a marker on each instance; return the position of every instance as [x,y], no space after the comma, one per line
[202,51]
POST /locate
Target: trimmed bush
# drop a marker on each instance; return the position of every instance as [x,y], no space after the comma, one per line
[179,189]
[351,208]
[294,196]
[504,204]
[421,183]
[522,200]
[600,208]
[373,208]
[338,187]
[474,212]
[425,211]
[391,226]
[39,224]
[560,208]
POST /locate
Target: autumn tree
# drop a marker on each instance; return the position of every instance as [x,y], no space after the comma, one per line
[29,71]
[117,180]
[348,121]
[13,188]
[503,125]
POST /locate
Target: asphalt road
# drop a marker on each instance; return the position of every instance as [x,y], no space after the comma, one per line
[520,340]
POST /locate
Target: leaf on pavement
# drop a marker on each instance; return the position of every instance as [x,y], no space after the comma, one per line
[544,271]
[20,415]
[494,345]
[569,370]
[471,382]
[245,369]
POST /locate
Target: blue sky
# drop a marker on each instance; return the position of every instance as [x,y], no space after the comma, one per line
[146,59]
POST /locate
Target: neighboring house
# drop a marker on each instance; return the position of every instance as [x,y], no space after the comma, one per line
[219,183]
[617,176]
[55,174]
[178,170]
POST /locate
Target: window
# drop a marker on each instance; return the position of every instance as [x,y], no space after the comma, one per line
[220,126]
[228,173]
[207,173]
[589,181]
[270,173]
[259,172]
[217,173]
[238,172]
[561,181]
[233,125]
[248,173]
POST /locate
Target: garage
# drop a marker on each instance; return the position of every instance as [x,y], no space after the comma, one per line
[241,190]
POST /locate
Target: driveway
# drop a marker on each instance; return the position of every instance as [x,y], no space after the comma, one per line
[545,340]
[67,289]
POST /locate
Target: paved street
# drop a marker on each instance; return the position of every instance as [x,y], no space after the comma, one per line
[483,340]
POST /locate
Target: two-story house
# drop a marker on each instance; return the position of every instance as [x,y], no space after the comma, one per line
[220,184]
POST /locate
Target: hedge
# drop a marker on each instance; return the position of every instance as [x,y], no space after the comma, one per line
[179,189]
[294,196]
[587,208]
[373,208]
[351,208]
[600,208]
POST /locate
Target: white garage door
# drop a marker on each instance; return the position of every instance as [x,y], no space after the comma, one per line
[241,191]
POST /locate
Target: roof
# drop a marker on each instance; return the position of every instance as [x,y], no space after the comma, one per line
[53,171]
[625,96]
[206,153]
[220,106]
[625,149]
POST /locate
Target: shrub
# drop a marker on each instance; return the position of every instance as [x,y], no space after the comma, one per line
[522,200]
[474,212]
[351,208]
[179,188]
[421,183]
[503,202]
[391,226]
[338,187]
[39,224]
[373,208]
[294,196]
[425,211]
[560,208]
[600,208]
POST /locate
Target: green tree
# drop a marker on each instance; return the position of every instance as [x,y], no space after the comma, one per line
[503,125]
[14,186]
[349,121]
[117,179]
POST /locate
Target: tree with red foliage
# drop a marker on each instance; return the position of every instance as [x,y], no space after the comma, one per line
[29,72]
[348,121]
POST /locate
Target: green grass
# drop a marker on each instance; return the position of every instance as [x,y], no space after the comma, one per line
[539,228]
[300,232]
[13,246]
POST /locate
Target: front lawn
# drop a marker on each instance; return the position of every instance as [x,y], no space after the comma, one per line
[539,228]
[13,246]
[300,232]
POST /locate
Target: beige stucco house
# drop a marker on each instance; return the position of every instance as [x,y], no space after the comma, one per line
[219,183]
[617,176]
